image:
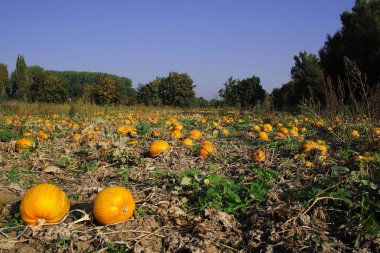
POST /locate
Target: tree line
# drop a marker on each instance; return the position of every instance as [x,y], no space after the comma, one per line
[321,78]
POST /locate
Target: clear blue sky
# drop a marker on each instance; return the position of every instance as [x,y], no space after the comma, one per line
[209,39]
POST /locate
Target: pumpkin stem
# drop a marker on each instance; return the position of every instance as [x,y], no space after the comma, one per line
[41,221]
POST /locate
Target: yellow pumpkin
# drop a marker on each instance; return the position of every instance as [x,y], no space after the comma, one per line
[178,127]
[44,135]
[267,128]
[206,149]
[355,134]
[155,133]
[195,134]
[113,204]
[44,203]
[176,134]
[308,164]
[158,147]
[283,130]
[224,132]
[308,146]
[258,156]
[25,144]
[187,142]
[263,135]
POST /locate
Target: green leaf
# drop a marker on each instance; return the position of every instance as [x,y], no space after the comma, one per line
[338,170]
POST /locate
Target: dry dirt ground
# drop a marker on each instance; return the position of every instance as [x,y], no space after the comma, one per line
[294,208]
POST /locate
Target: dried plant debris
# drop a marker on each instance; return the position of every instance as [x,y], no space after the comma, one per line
[317,189]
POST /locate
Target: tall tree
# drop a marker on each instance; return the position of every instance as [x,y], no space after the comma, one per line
[307,77]
[107,91]
[229,93]
[358,39]
[38,80]
[4,81]
[245,93]
[21,80]
[176,89]
[53,89]
[148,93]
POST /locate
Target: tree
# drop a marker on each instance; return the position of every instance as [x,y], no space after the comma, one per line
[4,81]
[79,80]
[176,89]
[38,78]
[53,89]
[358,39]
[246,93]
[21,81]
[107,91]
[229,93]
[307,78]
[283,97]
[148,93]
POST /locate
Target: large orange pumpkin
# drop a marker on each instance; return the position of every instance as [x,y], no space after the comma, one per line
[158,147]
[195,134]
[25,144]
[44,203]
[113,204]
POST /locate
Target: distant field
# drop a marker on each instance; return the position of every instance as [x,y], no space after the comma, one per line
[274,182]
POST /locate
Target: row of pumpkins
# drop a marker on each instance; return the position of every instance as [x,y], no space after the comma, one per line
[47,203]
[28,142]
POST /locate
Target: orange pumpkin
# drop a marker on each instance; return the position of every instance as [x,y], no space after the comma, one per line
[44,135]
[176,134]
[206,149]
[258,156]
[187,142]
[113,204]
[158,147]
[283,130]
[25,144]
[267,128]
[178,127]
[195,134]
[308,146]
[44,203]
[155,133]
[263,135]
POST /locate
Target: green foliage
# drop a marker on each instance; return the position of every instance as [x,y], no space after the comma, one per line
[76,81]
[4,82]
[6,135]
[148,93]
[176,89]
[53,89]
[358,39]
[222,193]
[21,81]
[89,166]
[104,92]
[65,160]
[246,93]
[143,128]
[307,77]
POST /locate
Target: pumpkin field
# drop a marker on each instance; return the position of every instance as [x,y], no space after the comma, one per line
[170,180]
